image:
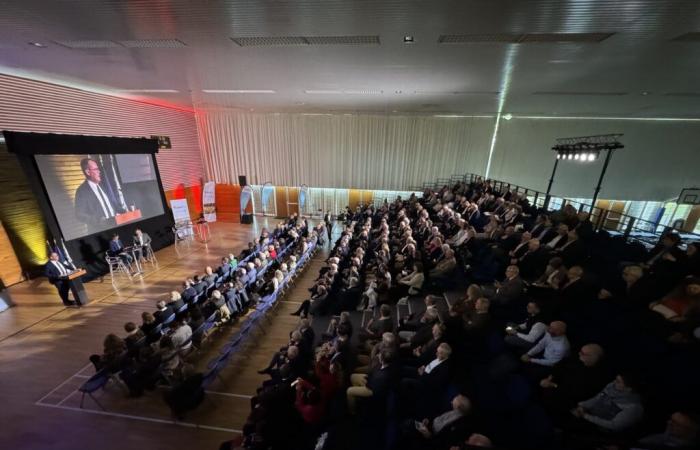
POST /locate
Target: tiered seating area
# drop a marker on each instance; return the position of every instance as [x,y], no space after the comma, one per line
[470,318]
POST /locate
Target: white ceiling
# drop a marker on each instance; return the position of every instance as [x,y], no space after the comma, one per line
[639,71]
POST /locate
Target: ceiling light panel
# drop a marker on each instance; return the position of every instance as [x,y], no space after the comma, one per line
[688,37]
[150,91]
[516,38]
[456,92]
[323,91]
[344,91]
[362,92]
[565,37]
[91,43]
[270,41]
[579,93]
[342,40]
[476,38]
[239,91]
[153,43]
[286,41]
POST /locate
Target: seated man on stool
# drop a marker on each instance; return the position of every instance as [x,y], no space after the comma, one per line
[116,250]
[142,241]
[57,272]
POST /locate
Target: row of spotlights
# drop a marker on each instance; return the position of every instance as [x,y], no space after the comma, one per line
[578,156]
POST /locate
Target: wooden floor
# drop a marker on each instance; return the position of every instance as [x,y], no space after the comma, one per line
[44,349]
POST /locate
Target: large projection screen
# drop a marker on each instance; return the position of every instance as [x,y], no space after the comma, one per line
[92,193]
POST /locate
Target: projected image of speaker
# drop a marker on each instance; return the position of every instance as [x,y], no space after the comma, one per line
[91,193]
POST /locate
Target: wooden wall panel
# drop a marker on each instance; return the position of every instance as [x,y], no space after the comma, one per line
[293,196]
[228,203]
[354,198]
[10,270]
[19,212]
[193,195]
[367,197]
[281,199]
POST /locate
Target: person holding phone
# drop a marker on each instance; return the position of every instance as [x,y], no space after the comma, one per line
[441,431]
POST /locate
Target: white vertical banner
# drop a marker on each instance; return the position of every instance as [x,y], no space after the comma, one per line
[181,212]
[209,201]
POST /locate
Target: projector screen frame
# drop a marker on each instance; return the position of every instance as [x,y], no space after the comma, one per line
[88,251]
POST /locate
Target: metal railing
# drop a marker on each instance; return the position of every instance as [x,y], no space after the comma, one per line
[614,222]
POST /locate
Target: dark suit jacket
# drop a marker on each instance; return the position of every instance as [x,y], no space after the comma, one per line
[380,381]
[146,239]
[176,305]
[574,254]
[210,279]
[532,264]
[509,291]
[88,209]
[53,274]
[188,294]
[437,380]
[160,316]
[546,235]
[115,247]
[200,287]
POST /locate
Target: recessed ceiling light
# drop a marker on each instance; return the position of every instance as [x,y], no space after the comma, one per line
[508,116]
[239,91]
[37,44]
[362,92]
[323,91]
[645,93]
[408,39]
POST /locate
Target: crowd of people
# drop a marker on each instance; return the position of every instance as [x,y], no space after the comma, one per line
[565,337]
[158,349]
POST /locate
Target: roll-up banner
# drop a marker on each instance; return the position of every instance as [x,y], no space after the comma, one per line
[246,195]
[209,201]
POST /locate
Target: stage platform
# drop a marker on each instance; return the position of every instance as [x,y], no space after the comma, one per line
[44,350]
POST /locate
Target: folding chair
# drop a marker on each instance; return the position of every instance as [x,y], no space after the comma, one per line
[117,266]
[94,383]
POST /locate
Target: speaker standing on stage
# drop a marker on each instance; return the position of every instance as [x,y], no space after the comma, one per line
[57,272]
[93,206]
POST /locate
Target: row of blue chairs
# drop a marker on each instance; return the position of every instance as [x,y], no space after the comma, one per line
[100,379]
[217,364]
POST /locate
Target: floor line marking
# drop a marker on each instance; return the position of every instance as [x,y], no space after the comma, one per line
[63,401]
[64,382]
[142,418]
[229,394]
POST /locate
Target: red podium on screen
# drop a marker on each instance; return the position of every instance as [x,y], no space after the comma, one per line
[128,216]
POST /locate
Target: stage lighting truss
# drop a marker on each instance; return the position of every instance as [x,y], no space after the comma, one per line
[586,148]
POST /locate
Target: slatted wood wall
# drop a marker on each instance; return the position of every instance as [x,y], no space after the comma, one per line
[10,270]
[27,105]
[21,218]
[33,106]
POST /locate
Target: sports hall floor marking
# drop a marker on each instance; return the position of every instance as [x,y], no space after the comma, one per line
[142,418]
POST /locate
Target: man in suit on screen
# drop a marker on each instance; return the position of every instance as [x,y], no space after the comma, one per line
[93,206]
[57,272]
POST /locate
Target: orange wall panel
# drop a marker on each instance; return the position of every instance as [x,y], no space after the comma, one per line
[10,270]
[281,199]
[354,198]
